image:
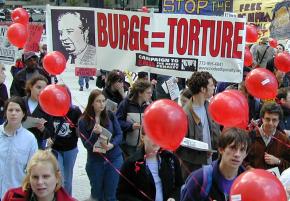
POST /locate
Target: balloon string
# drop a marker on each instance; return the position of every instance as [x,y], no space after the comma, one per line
[76,100]
[116,169]
[137,168]
[202,190]
[275,138]
[107,160]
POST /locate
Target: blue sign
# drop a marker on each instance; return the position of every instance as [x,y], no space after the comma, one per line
[197,7]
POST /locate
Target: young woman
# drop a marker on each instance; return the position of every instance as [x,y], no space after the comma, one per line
[17,145]
[64,143]
[42,181]
[130,112]
[101,135]
[43,128]
[114,89]
[154,174]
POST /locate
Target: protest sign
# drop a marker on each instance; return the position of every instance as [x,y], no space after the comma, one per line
[34,37]
[7,51]
[197,7]
[272,17]
[154,42]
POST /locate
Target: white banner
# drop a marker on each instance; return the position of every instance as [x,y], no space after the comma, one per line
[8,52]
[168,44]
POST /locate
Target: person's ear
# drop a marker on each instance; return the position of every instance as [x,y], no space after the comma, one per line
[221,150]
[202,89]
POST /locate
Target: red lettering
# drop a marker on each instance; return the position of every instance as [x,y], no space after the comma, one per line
[172,22]
[102,32]
[123,26]
[113,32]
[237,40]
[134,35]
[193,36]
[182,36]
[143,33]
[205,24]
[215,38]
[227,39]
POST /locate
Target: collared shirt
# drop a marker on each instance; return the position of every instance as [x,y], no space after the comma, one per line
[15,152]
[266,138]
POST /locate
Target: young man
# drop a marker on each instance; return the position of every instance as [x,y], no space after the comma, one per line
[213,182]
[201,126]
[270,146]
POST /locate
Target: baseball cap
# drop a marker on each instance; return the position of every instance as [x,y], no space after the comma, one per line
[28,55]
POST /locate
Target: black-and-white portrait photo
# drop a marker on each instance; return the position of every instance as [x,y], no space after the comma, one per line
[74,35]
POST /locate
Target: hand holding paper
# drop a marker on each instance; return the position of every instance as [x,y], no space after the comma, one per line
[97,129]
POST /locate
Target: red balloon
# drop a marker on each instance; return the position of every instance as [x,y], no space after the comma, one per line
[165,123]
[17,34]
[258,185]
[273,42]
[54,63]
[20,15]
[262,83]
[251,34]
[244,104]
[248,57]
[55,100]
[230,109]
[282,61]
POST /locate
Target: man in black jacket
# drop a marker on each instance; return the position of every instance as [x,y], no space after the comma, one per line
[31,69]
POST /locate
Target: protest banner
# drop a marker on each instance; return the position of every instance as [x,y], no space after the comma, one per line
[7,51]
[197,7]
[85,71]
[272,17]
[34,36]
[153,42]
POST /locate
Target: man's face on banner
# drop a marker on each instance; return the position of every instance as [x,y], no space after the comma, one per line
[71,33]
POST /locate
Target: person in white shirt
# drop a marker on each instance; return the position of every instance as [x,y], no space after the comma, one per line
[17,145]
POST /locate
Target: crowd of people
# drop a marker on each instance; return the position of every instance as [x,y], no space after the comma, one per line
[39,151]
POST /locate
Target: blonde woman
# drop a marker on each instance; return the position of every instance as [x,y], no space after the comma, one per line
[42,181]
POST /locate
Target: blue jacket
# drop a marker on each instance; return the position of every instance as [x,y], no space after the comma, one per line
[125,107]
[193,191]
[89,139]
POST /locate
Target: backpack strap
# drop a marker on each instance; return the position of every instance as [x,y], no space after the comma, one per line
[207,171]
[263,55]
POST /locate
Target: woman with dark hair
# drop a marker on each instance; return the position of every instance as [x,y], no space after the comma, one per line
[114,89]
[64,143]
[130,112]
[154,174]
[101,135]
[17,145]
[42,126]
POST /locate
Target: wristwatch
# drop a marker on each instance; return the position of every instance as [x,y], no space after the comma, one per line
[279,161]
